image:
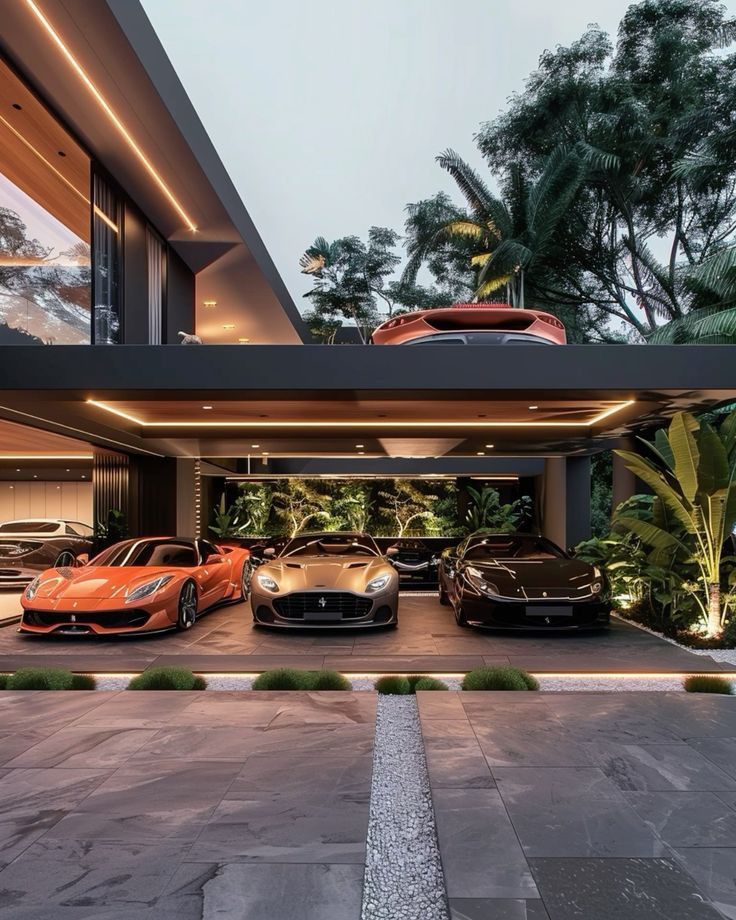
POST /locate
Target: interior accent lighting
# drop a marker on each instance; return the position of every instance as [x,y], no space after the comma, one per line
[107,109]
[367,423]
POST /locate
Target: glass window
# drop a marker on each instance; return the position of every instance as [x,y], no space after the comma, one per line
[331,544]
[33,527]
[45,275]
[148,553]
[106,269]
[513,546]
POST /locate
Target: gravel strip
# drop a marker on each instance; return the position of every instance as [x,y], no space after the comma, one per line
[403,873]
[717,654]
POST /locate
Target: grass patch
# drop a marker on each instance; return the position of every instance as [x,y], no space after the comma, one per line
[707,683]
[48,679]
[499,679]
[430,683]
[173,678]
[394,685]
[294,679]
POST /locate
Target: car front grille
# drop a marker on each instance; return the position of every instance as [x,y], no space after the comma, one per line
[331,603]
[111,619]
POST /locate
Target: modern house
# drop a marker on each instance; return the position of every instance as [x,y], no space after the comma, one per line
[122,235]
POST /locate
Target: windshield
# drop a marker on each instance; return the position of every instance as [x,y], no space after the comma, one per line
[331,545]
[506,547]
[30,527]
[148,553]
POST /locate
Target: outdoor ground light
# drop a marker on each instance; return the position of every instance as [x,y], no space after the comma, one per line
[265,581]
[148,589]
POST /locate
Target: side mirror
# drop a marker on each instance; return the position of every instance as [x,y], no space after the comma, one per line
[82,559]
[392,551]
[269,552]
[214,559]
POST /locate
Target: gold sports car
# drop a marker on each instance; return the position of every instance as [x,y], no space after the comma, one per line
[325,580]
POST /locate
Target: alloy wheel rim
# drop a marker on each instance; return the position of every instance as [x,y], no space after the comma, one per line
[245,580]
[188,605]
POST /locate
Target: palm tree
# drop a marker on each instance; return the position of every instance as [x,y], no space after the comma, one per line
[515,235]
[692,472]
[712,319]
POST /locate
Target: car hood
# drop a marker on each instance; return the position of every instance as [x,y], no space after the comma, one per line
[97,582]
[536,573]
[347,573]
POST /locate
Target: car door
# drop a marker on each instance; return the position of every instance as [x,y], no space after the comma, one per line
[215,573]
[448,570]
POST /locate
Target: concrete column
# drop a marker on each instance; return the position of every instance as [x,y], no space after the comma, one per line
[624,481]
[554,507]
[577,500]
[187,496]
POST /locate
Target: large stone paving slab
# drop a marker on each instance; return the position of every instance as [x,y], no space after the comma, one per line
[116,806]
[621,804]
[428,639]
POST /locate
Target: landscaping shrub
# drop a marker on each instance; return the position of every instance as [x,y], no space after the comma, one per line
[4,681]
[295,679]
[172,678]
[430,683]
[328,680]
[499,679]
[707,683]
[393,684]
[48,679]
[83,682]
[281,679]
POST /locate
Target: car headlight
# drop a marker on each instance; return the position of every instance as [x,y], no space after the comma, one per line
[377,583]
[478,580]
[265,581]
[148,589]
[596,587]
[33,588]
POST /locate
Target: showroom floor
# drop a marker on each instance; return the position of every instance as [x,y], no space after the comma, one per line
[427,639]
[135,806]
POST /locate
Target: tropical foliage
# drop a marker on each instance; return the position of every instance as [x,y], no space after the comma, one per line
[609,199]
[384,507]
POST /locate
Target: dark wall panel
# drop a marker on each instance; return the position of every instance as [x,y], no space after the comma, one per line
[180,309]
[110,485]
[135,279]
[153,498]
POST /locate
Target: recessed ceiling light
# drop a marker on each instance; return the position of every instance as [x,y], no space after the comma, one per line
[228,325]
[244,341]
[68,471]
[255,446]
[358,446]
[490,446]
[206,407]
[361,453]
[35,476]
[209,303]
[480,453]
[83,476]
[265,453]
[533,407]
[18,470]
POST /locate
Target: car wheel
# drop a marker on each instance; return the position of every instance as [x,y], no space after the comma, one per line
[187,606]
[65,560]
[460,617]
[245,580]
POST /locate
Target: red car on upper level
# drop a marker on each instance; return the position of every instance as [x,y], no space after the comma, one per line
[472,324]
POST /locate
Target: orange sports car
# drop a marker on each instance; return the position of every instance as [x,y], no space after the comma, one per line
[137,586]
[472,324]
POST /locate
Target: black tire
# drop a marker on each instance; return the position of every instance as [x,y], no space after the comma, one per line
[460,617]
[187,608]
[65,560]
[246,578]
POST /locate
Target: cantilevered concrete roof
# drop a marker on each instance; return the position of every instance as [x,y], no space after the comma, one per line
[117,50]
[359,402]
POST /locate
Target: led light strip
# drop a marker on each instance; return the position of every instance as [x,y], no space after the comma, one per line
[46,456]
[107,109]
[385,424]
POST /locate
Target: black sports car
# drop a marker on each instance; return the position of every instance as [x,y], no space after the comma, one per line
[413,560]
[522,581]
